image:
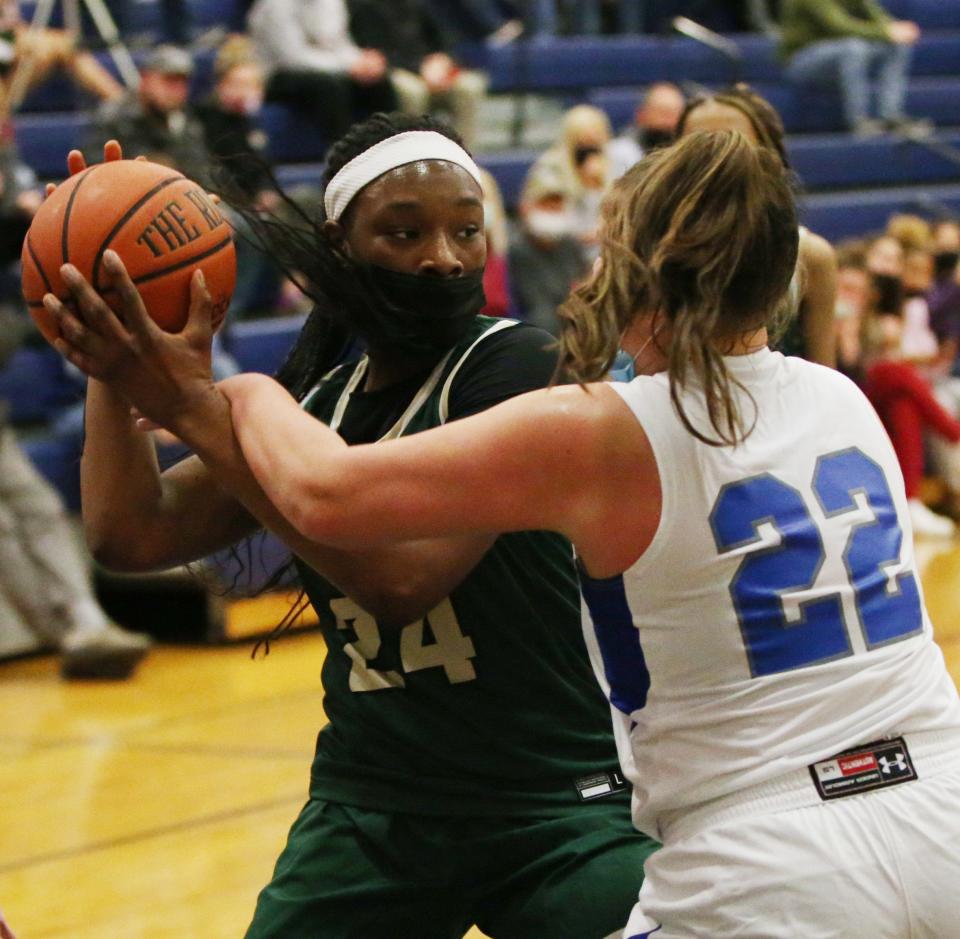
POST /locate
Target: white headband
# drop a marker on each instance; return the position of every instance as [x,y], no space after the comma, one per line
[399,150]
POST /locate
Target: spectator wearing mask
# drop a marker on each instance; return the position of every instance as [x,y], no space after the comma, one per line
[885,264]
[901,393]
[580,164]
[918,342]
[242,174]
[314,65]
[852,302]
[654,125]
[846,43]
[424,74]
[153,120]
[228,115]
[547,258]
[921,344]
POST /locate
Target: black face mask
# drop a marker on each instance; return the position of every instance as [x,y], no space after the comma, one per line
[651,139]
[417,313]
[890,293]
[945,263]
[582,154]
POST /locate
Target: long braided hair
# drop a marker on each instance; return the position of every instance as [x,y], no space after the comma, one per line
[298,245]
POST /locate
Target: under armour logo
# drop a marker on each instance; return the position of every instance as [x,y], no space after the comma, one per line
[898,763]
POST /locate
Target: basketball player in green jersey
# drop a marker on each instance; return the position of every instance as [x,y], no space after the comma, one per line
[467,774]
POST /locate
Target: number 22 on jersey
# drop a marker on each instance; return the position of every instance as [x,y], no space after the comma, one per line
[451,650]
[788,559]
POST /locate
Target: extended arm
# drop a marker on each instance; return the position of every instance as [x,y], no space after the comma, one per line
[137,518]
[566,459]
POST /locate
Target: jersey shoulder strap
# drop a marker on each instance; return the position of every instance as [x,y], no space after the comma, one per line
[495,326]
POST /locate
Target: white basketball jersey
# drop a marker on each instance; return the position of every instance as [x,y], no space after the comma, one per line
[776,618]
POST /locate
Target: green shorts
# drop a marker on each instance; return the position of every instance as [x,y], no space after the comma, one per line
[348,873]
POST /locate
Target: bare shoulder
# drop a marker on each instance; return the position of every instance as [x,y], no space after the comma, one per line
[619,519]
[592,413]
[587,433]
[816,253]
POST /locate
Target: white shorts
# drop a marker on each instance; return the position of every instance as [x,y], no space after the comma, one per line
[880,865]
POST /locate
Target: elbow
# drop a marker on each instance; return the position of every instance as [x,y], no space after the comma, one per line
[122,553]
[119,558]
[107,551]
[318,512]
[318,524]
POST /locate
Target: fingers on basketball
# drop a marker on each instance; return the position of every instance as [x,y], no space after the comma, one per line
[163,226]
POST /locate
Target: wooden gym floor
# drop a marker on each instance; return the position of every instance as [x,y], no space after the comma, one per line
[155,808]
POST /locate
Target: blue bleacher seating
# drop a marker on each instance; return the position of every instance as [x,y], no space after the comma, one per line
[58,93]
[35,385]
[143,19]
[806,110]
[558,63]
[207,13]
[585,62]
[262,345]
[292,140]
[45,139]
[838,215]
[849,186]
[37,388]
[292,175]
[829,161]
[836,161]
[509,170]
[930,14]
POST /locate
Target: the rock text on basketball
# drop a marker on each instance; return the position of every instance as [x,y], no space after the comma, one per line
[209,211]
[168,230]
[171,229]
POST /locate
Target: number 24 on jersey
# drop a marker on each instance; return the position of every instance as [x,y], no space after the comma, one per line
[451,650]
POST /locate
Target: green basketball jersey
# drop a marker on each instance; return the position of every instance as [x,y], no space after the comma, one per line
[486,706]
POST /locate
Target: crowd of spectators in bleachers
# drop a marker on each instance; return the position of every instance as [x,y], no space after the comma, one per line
[895,322]
[331,61]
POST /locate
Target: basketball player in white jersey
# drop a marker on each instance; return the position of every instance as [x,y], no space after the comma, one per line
[750,592]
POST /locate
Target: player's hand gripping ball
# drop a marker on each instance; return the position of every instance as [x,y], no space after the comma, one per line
[163,226]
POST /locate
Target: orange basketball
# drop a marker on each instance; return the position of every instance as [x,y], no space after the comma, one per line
[161,224]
